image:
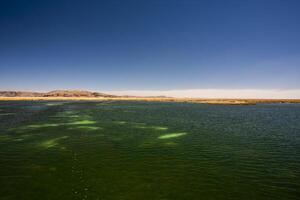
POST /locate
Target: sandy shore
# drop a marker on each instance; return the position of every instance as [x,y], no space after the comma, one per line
[190,100]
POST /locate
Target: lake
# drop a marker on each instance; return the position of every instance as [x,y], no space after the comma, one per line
[146,150]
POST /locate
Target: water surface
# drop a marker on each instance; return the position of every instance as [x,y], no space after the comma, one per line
[142,150]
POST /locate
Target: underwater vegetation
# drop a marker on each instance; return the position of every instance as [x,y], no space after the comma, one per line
[148,150]
[171,135]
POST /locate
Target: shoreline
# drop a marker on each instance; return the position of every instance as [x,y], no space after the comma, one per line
[153,99]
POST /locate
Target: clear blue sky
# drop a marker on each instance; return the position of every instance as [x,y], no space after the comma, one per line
[152,45]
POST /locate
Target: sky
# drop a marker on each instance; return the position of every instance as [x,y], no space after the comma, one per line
[156,46]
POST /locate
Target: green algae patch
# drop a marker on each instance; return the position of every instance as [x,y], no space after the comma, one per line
[18,139]
[4,137]
[171,135]
[159,128]
[141,127]
[73,116]
[82,122]
[52,142]
[42,125]
[156,128]
[120,122]
[88,128]
[34,127]
[170,144]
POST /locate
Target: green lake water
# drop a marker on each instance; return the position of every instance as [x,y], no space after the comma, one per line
[141,150]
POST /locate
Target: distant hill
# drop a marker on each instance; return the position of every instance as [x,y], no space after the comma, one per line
[20,94]
[87,95]
[55,93]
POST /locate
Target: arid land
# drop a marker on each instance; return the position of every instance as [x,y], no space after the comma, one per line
[77,95]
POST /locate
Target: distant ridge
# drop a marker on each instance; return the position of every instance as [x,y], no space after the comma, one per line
[55,93]
[87,95]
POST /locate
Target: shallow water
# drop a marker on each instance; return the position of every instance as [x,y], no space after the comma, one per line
[142,150]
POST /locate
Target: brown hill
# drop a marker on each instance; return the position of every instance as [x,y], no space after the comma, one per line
[55,93]
[20,94]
